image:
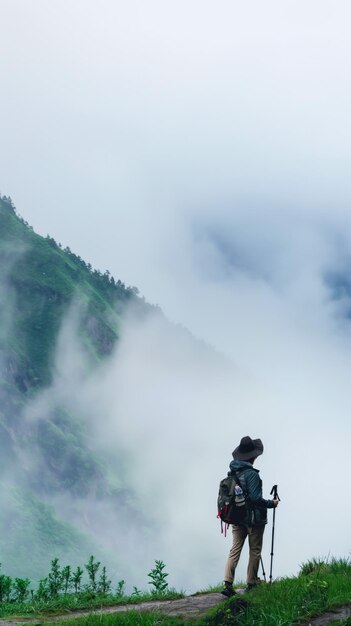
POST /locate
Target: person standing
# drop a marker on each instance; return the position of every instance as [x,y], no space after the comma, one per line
[256,516]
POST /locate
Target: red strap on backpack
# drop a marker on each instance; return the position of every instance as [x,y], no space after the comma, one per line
[226,526]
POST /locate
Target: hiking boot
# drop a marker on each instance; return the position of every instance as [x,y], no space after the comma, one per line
[228,590]
[250,587]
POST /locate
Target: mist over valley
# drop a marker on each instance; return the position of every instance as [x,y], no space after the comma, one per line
[114,422]
[179,278]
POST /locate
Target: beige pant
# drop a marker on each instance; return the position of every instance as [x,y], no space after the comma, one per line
[240,533]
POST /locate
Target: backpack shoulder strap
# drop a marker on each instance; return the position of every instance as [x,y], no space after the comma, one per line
[241,482]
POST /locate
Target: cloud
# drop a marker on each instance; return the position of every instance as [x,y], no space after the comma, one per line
[148,111]
[203,155]
[173,410]
[165,411]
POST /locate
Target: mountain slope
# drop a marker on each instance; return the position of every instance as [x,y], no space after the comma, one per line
[43,278]
[40,285]
[100,396]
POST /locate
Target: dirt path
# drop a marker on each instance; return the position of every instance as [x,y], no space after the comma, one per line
[191,606]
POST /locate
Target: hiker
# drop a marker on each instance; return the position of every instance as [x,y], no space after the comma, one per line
[255,518]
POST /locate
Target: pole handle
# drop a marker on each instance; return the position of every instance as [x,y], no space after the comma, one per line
[274,492]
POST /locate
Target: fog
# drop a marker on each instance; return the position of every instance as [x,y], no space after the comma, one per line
[201,153]
[167,411]
[183,414]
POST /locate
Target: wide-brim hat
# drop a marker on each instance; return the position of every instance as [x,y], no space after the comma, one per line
[248,449]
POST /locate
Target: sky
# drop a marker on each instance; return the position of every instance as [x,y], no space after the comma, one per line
[200,151]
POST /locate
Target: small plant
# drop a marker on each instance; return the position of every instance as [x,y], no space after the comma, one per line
[55,579]
[136,591]
[313,566]
[120,588]
[5,588]
[317,592]
[77,579]
[21,589]
[104,585]
[66,579]
[42,593]
[158,578]
[92,568]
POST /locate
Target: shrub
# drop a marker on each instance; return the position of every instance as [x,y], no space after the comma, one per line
[158,578]
[55,579]
[92,568]
[21,589]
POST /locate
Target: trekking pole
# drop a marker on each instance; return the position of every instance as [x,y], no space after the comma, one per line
[274,492]
[263,572]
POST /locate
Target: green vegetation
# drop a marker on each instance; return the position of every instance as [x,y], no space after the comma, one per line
[34,529]
[158,578]
[320,586]
[65,589]
[44,279]
[41,286]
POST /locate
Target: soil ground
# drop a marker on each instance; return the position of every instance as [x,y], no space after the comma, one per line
[191,606]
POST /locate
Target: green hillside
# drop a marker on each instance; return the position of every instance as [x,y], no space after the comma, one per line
[39,284]
[42,279]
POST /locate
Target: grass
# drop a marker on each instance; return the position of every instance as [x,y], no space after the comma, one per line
[209,589]
[131,618]
[92,590]
[320,587]
[79,602]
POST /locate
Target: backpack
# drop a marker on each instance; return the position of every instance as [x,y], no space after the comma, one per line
[231,502]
